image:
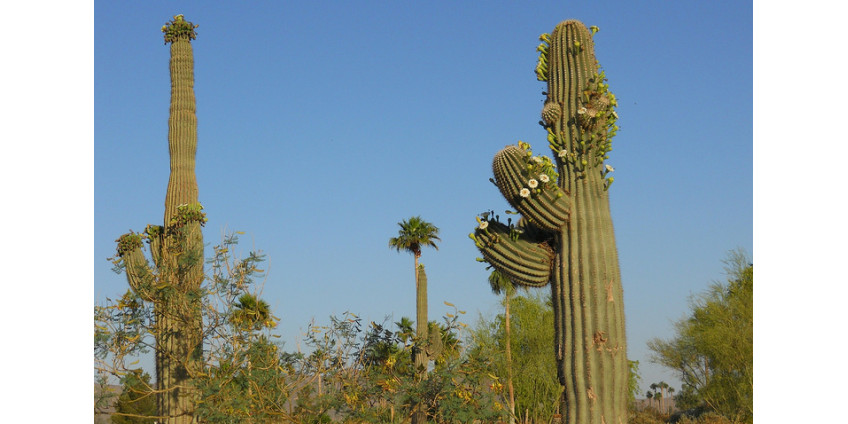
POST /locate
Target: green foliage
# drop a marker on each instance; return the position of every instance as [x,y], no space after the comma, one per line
[536,387]
[137,400]
[712,349]
[367,375]
[705,418]
[634,384]
[350,371]
[414,234]
[240,365]
[647,416]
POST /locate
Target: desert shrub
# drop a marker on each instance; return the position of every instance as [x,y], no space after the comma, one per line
[647,416]
[705,418]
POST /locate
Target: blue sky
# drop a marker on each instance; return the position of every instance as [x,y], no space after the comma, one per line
[321,126]
[401,110]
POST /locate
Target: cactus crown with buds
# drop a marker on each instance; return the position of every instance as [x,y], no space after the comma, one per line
[178,27]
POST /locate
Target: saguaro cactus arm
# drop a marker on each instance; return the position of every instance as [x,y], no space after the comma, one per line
[523,256]
[131,257]
[528,183]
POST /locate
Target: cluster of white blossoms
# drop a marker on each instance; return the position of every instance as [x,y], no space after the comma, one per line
[532,184]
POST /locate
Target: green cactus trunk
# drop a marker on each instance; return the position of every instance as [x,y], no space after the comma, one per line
[589,305]
[173,284]
[565,236]
[421,358]
[180,323]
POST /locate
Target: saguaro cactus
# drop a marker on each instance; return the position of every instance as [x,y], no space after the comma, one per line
[173,282]
[565,234]
[421,358]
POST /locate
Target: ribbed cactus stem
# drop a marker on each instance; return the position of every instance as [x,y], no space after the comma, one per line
[180,323]
[421,330]
[182,129]
[176,247]
[587,297]
[517,254]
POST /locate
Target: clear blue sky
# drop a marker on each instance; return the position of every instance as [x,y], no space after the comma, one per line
[321,125]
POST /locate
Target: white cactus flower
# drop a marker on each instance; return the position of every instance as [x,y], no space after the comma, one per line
[532,183]
[484,224]
[525,192]
[544,178]
[609,168]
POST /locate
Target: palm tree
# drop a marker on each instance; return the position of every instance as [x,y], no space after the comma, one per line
[404,329]
[670,397]
[500,283]
[657,395]
[414,234]
[251,313]
[663,403]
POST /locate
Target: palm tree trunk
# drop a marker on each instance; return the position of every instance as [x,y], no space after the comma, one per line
[509,365]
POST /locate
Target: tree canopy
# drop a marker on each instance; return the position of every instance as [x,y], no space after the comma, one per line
[713,348]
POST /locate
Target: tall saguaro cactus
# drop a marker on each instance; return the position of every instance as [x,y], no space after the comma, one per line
[173,281]
[565,235]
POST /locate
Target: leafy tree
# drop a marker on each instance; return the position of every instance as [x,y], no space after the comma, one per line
[635,382]
[537,391]
[240,374]
[137,400]
[713,347]
[349,371]
[500,283]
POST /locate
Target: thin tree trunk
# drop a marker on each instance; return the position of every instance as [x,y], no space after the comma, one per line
[509,364]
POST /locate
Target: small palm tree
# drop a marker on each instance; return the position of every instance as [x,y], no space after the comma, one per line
[251,313]
[405,331]
[662,385]
[670,397]
[500,283]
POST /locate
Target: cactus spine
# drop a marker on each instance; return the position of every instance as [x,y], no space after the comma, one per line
[565,235]
[172,284]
